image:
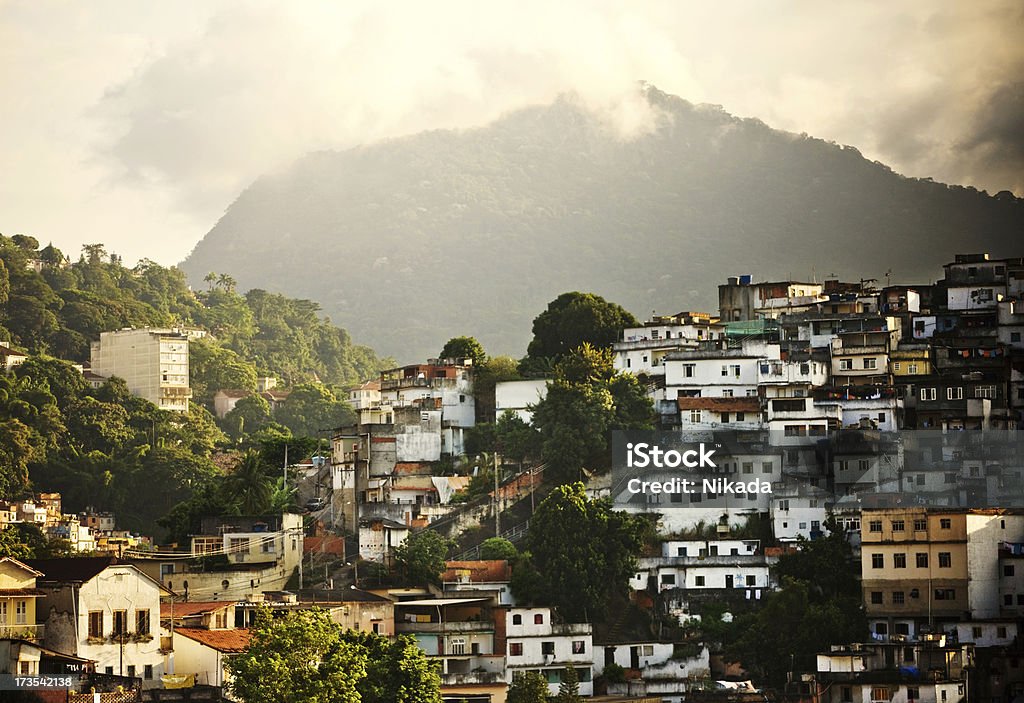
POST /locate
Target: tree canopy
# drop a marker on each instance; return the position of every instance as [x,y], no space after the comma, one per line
[574,319]
[581,553]
[464,348]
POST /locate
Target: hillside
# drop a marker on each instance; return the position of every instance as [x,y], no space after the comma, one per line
[409,242]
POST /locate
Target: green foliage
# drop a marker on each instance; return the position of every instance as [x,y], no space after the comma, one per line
[498,548]
[312,409]
[527,687]
[213,368]
[299,657]
[613,673]
[464,348]
[582,553]
[569,688]
[421,557]
[249,415]
[584,403]
[397,670]
[574,319]
[818,605]
[515,439]
[485,377]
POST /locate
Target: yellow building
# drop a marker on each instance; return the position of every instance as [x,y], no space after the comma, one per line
[911,360]
[18,596]
[914,570]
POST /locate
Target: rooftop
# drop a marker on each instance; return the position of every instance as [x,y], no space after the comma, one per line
[228,641]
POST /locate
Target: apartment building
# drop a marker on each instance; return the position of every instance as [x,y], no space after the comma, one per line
[153,362]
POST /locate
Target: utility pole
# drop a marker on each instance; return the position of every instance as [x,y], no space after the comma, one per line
[497,505]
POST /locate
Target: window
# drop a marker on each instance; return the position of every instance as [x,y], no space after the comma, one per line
[725,370]
[870,363]
[1014,337]
[899,561]
[895,366]
[120,622]
[689,370]
[877,561]
[898,526]
[458,645]
[985,392]
[740,417]
[668,579]
[698,580]
[147,672]
[751,580]
[1008,570]
[1008,599]
[875,526]
[845,364]
[766,467]
[898,598]
[515,649]
[547,648]
[927,394]
[846,694]
[517,619]
[748,466]
[538,619]
[695,416]
[863,464]
[912,368]
[1001,631]
[142,622]
[95,623]
[131,671]
[876,597]
[945,560]
[725,418]
[913,693]
[727,393]
[945,594]
[880,693]
[795,431]
[20,612]
[954,393]
[976,632]
[922,560]
[735,369]
[945,523]
[579,647]
[920,524]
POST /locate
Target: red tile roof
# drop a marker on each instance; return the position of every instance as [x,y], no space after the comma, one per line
[229,641]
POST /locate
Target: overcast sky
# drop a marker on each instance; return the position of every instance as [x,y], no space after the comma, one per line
[136,124]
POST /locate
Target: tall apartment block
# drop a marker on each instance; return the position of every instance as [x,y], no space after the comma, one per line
[153,362]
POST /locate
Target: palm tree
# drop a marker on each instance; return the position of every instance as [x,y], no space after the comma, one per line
[249,486]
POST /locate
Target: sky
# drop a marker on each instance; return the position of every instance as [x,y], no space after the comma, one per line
[136,124]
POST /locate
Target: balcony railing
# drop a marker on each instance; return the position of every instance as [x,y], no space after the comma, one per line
[446,627]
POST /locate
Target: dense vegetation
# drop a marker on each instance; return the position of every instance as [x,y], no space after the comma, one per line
[554,198]
[107,449]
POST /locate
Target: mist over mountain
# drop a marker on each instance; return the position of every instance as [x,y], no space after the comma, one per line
[409,242]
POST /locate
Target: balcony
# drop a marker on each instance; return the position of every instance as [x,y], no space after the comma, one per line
[445,627]
[22,632]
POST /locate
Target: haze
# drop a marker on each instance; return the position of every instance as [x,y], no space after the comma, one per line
[137,124]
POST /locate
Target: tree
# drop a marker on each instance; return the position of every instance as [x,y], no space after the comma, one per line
[250,414]
[818,605]
[397,670]
[515,438]
[569,688]
[213,368]
[421,557]
[498,548]
[250,484]
[311,408]
[585,402]
[485,377]
[583,551]
[574,319]
[301,656]
[464,348]
[527,687]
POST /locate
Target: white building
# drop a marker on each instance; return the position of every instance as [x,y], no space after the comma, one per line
[153,362]
[101,610]
[519,397]
[643,349]
[535,643]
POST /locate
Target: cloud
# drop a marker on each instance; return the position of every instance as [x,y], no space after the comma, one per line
[154,118]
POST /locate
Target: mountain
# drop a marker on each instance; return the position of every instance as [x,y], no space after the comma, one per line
[409,242]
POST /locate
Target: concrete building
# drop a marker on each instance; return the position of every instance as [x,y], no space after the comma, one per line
[519,396]
[100,609]
[153,362]
[535,643]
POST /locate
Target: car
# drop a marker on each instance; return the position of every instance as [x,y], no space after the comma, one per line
[316,504]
